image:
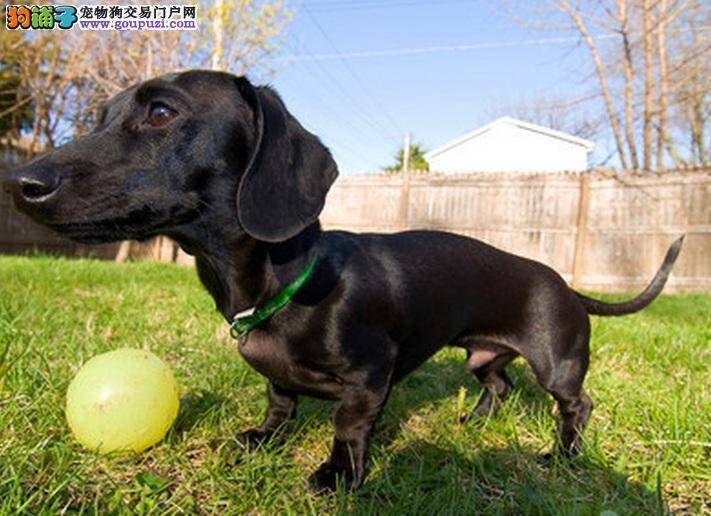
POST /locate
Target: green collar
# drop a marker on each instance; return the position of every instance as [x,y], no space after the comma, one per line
[244,321]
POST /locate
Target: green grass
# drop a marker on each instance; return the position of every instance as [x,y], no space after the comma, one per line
[647,451]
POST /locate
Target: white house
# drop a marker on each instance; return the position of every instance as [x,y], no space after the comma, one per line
[510,145]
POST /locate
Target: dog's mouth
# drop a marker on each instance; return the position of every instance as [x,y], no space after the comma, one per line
[140,224]
[99,232]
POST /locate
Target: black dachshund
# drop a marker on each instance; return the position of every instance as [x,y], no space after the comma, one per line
[223,168]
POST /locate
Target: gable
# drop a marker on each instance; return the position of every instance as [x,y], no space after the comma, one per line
[517,129]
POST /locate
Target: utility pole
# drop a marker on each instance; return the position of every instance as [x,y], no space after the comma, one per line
[406,155]
[404,208]
[218,29]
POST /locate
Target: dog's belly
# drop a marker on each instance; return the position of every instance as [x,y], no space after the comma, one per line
[270,356]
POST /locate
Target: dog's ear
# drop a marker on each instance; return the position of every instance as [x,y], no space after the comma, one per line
[285,185]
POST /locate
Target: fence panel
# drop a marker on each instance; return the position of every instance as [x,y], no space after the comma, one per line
[599,230]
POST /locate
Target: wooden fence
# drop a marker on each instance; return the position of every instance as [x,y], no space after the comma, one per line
[600,230]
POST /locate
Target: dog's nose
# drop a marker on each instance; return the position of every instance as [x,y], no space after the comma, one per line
[33,183]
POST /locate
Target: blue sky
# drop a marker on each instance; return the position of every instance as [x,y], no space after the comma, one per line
[361,106]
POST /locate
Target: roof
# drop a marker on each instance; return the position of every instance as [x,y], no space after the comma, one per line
[587,144]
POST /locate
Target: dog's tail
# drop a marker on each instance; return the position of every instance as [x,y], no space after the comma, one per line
[596,307]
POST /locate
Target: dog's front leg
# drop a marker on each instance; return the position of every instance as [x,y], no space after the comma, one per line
[354,420]
[282,408]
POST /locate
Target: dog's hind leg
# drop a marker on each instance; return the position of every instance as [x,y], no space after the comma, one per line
[562,373]
[575,411]
[488,364]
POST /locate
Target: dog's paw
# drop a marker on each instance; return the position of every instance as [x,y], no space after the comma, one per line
[478,413]
[235,448]
[487,407]
[329,476]
[252,439]
[546,459]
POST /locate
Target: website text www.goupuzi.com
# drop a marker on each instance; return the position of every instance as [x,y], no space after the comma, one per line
[137,24]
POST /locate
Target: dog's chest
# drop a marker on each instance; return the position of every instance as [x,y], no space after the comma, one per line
[271,357]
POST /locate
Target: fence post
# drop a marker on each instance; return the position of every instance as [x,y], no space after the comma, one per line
[582,229]
[124,251]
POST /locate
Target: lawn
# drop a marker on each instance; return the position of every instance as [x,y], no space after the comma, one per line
[648,447]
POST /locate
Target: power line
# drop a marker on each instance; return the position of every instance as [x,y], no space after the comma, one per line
[347,65]
[352,152]
[320,74]
[433,49]
[376,4]
[336,3]
[364,54]
[348,100]
[326,113]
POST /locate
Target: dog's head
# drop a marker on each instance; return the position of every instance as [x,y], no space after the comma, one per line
[170,150]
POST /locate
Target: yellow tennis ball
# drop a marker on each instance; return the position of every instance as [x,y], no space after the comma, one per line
[125,399]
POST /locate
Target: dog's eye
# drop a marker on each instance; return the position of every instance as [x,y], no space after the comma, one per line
[160,114]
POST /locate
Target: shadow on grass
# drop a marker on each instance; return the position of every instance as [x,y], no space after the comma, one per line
[434,381]
[194,407]
[423,478]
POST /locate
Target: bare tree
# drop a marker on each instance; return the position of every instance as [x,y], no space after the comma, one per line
[579,21]
[623,29]
[690,83]
[648,82]
[650,67]
[15,102]
[663,82]
[239,35]
[42,69]
[69,74]
[559,112]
